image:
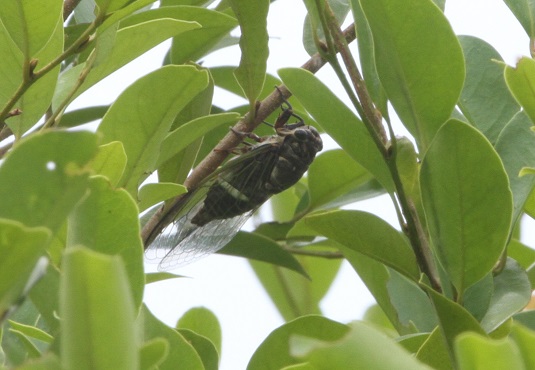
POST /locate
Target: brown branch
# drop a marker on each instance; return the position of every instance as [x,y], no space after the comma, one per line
[164,215]
[68,8]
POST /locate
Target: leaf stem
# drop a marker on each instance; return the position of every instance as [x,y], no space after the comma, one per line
[372,119]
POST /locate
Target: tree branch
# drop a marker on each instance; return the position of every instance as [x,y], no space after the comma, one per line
[215,158]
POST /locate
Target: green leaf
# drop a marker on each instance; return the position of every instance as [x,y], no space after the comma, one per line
[94,336]
[106,221]
[275,350]
[203,322]
[153,353]
[48,174]
[521,82]
[516,148]
[44,296]
[512,292]
[367,234]
[525,340]
[186,134]
[251,72]
[20,248]
[375,276]
[154,277]
[204,347]
[521,253]
[476,352]
[110,161]
[131,42]
[31,31]
[460,173]
[154,193]
[261,248]
[524,11]
[411,303]
[81,116]
[485,100]
[294,294]
[420,62]
[48,361]
[333,174]
[338,121]
[453,319]
[31,331]
[182,355]
[367,59]
[141,117]
[195,44]
[362,348]
[434,352]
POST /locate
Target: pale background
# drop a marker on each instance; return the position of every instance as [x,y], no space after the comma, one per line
[226,285]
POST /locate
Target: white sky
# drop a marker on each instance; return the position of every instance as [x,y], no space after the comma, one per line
[226,285]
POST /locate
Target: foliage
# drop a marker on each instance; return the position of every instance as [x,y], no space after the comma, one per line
[450,286]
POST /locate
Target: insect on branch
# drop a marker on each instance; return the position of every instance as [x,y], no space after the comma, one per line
[216,157]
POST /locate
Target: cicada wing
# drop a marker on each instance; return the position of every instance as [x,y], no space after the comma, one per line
[182,242]
[195,242]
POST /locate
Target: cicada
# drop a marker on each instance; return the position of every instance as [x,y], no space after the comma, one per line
[210,215]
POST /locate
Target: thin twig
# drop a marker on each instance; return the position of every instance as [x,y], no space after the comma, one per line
[68,8]
[215,158]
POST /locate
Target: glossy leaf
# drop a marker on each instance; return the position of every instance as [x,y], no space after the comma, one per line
[203,322]
[195,44]
[182,355]
[186,134]
[524,11]
[154,193]
[525,340]
[153,353]
[333,174]
[110,161]
[411,303]
[261,248]
[251,72]
[367,59]
[131,42]
[453,319]
[275,350]
[142,123]
[375,276]
[420,62]
[204,347]
[512,292]
[521,82]
[367,234]
[297,295]
[49,175]
[93,336]
[83,115]
[20,248]
[476,352]
[521,253]
[32,31]
[485,100]
[106,221]
[338,121]
[516,148]
[435,353]
[364,347]
[460,173]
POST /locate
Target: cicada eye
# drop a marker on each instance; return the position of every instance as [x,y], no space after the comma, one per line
[301,134]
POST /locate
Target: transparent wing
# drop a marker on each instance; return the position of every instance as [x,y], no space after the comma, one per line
[191,242]
[183,242]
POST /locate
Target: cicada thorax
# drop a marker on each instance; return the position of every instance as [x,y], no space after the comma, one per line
[271,167]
